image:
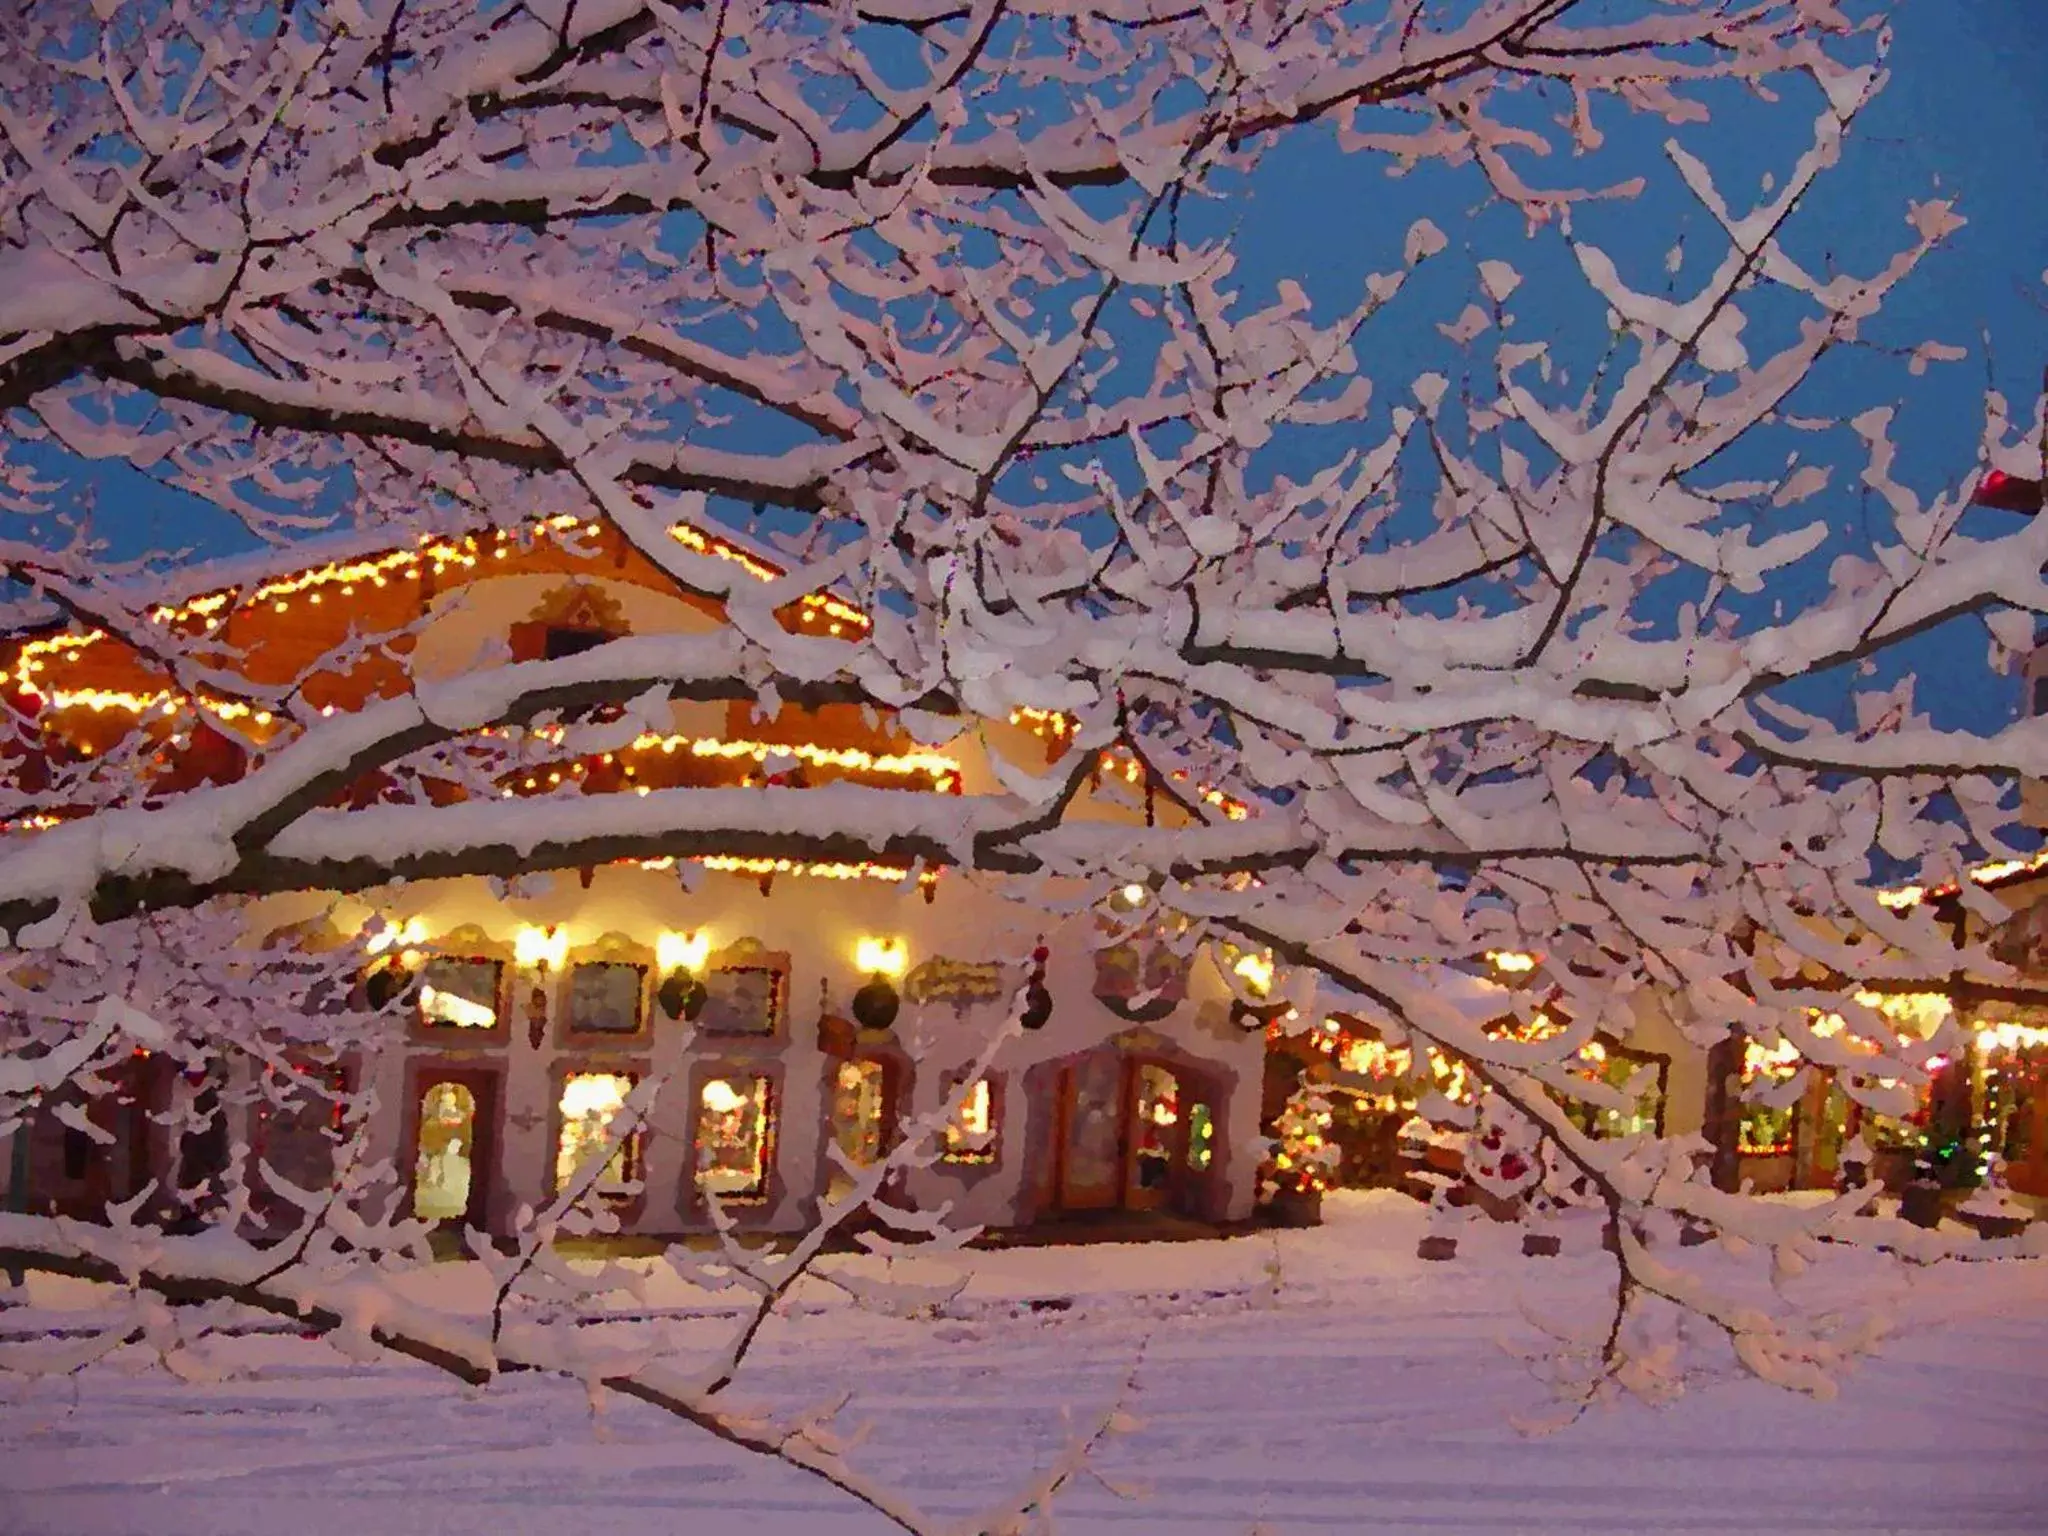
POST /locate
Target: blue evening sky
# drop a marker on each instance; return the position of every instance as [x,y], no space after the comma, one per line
[1966,117]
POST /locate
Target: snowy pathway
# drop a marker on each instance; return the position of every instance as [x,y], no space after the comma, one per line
[1373,1396]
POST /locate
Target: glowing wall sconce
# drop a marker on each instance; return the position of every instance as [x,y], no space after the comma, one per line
[682,951]
[882,957]
[1129,898]
[876,1005]
[540,949]
[1256,971]
[681,957]
[1511,962]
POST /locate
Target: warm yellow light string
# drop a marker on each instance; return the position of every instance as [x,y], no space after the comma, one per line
[376,570]
[942,771]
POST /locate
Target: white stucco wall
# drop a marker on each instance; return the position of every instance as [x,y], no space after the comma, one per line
[818,923]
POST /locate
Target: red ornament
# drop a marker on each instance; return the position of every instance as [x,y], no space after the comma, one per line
[2008,493]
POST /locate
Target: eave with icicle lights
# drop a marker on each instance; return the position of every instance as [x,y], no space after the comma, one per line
[524,1004]
[78,694]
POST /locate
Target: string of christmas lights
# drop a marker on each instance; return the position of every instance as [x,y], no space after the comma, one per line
[1057,728]
[937,771]
[434,555]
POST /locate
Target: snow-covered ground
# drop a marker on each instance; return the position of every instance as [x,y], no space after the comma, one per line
[1370,1394]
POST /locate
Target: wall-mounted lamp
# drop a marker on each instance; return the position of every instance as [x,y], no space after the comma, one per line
[1256,971]
[1129,898]
[882,957]
[876,1005]
[682,951]
[540,949]
[1511,962]
[681,957]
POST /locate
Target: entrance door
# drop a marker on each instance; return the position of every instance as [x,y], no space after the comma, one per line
[454,1141]
[2027,1171]
[1822,1120]
[2024,1144]
[1090,1132]
[1158,1137]
[71,1168]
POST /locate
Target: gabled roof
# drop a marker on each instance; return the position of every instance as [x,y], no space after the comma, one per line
[285,565]
[214,593]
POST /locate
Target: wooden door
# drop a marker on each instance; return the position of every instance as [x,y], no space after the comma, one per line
[1090,1132]
[2026,1171]
[453,1144]
[1822,1120]
[1155,1139]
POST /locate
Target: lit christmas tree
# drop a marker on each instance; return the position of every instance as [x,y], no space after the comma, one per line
[1304,1160]
[1947,1153]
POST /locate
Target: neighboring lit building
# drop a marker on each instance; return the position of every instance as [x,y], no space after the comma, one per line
[1373,1089]
[1990,1095]
[535,1009]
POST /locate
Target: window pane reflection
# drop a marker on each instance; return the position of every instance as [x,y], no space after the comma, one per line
[971,1133]
[460,994]
[733,1125]
[604,997]
[857,1103]
[590,1100]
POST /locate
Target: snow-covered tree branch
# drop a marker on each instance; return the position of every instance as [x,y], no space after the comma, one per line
[915,348]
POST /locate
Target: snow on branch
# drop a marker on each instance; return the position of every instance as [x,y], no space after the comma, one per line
[1560,643]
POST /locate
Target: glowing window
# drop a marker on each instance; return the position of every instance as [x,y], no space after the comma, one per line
[859,1106]
[460,994]
[590,1101]
[1617,1067]
[1768,1129]
[735,1124]
[971,1133]
[442,1172]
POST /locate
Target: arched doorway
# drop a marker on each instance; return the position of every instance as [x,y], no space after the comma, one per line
[454,1146]
[1134,1132]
